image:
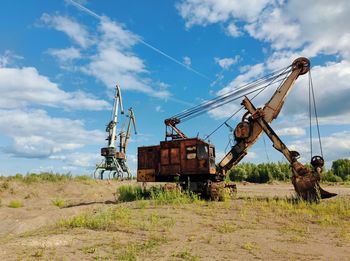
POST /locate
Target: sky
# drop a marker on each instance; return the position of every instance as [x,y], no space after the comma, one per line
[60,61]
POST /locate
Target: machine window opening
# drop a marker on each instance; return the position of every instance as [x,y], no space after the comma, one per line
[202,151]
[191,152]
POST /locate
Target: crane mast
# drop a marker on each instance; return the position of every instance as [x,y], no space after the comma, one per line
[115,161]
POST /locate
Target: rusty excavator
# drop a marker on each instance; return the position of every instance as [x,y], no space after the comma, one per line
[191,161]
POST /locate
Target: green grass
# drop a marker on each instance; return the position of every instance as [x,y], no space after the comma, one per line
[158,195]
[186,255]
[132,252]
[100,220]
[334,212]
[15,204]
[227,227]
[43,176]
[58,202]
[128,193]
[4,186]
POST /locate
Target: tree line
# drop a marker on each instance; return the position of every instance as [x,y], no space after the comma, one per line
[267,172]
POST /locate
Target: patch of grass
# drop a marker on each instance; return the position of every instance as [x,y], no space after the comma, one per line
[130,193]
[99,220]
[159,195]
[39,252]
[15,204]
[249,246]
[132,252]
[334,212]
[58,202]
[186,255]
[226,228]
[83,178]
[119,219]
[44,176]
[163,196]
[4,186]
[155,221]
[89,250]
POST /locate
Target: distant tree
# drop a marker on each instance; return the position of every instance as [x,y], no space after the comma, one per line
[238,174]
[341,168]
[330,177]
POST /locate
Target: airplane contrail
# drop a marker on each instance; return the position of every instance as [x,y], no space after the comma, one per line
[187,67]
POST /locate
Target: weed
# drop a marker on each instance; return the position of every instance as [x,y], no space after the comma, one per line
[15,204]
[100,220]
[142,204]
[133,251]
[158,195]
[4,186]
[226,228]
[186,255]
[130,193]
[249,246]
[39,252]
[44,176]
[58,202]
[163,196]
[89,250]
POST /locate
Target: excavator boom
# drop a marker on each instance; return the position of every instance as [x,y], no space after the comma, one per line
[247,134]
[305,180]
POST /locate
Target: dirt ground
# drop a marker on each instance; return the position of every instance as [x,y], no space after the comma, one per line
[252,226]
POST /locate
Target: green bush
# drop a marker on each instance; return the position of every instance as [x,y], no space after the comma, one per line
[16,204]
[330,177]
[130,193]
[341,168]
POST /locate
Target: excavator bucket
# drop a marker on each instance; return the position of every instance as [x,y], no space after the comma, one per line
[306,183]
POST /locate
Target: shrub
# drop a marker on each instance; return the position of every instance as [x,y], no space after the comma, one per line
[59,202]
[330,177]
[15,204]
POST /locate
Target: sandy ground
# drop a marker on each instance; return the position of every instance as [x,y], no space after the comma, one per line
[234,230]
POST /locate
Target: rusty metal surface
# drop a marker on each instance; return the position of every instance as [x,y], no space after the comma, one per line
[184,157]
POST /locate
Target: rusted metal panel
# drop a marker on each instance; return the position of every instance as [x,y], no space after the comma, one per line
[178,157]
[146,175]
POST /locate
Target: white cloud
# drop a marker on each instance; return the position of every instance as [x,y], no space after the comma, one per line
[332,92]
[187,61]
[335,146]
[224,111]
[110,57]
[114,61]
[204,12]
[232,30]
[22,87]
[226,63]
[250,73]
[159,108]
[65,55]
[8,58]
[35,134]
[74,30]
[291,131]
[274,27]
[86,160]
[283,24]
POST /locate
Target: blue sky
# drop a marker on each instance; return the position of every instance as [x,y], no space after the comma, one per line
[60,61]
